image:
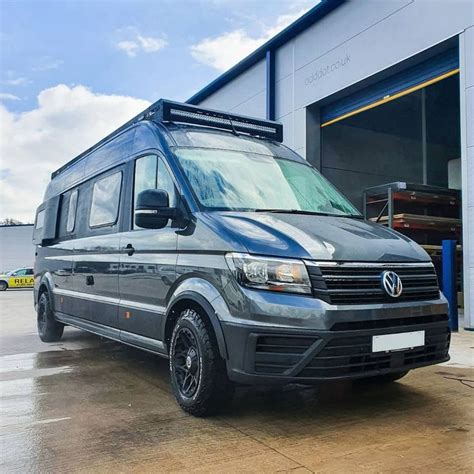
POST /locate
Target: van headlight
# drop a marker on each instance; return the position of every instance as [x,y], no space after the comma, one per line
[265,273]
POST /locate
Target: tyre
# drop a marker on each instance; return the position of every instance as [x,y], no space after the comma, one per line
[198,374]
[386,378]
[3,285]
[49,330]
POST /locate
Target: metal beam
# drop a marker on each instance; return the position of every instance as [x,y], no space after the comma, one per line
[424,152]
[270,84]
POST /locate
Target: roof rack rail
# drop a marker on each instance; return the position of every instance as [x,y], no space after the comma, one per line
[170,111]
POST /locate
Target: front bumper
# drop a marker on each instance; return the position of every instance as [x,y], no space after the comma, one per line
[263,355]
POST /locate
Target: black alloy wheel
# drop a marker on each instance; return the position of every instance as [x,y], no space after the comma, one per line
[198,372]
[187,362]
[49,330]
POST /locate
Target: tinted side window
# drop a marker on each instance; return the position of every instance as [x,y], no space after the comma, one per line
[105,200]
[30,271]
[152,173]
[145,175]
[71,214]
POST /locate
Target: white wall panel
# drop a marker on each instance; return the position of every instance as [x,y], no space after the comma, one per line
[467,155]
[340,26]
[284,63]
[300,128]
[255,106]
[470,115]
[284,97]
[386,43]
[246,86]
[469,52]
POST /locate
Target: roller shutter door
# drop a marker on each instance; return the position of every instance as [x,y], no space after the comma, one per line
[428,72]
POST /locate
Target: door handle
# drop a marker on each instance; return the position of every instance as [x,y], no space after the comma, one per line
[89,280]
[130,250]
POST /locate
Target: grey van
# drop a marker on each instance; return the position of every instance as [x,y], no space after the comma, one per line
[196,235]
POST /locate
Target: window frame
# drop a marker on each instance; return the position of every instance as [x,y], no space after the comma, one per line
[117,214]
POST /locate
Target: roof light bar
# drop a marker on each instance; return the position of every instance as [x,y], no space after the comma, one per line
[184,113]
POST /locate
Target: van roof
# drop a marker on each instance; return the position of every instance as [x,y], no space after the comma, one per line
[170,111]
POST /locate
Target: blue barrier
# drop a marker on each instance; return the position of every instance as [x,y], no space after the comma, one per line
[449,281]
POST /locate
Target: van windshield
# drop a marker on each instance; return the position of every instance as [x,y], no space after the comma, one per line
[243,181]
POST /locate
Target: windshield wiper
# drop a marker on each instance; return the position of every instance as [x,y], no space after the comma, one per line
[308,213]
[294,211]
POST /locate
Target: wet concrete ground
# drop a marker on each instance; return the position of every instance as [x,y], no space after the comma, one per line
[91,405]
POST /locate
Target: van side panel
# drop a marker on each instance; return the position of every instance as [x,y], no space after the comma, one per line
[55,263]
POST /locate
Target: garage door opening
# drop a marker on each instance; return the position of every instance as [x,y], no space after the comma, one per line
[405,128]
[397,155]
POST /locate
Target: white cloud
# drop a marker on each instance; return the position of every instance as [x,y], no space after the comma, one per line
[6,96]
[134,42]
[18,81]
[223,51]
[47,64]
[130,47]
[66,122]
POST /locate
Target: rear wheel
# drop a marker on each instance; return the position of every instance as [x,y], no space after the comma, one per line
[49,330]
[198,374]
[3,285]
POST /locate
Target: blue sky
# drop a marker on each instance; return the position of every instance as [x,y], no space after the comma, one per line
[134,48]
[72,71]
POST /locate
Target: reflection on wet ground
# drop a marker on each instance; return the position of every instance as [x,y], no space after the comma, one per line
[87,404]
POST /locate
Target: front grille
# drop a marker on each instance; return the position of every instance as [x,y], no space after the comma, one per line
[354,284]
[352,355]
[389,323]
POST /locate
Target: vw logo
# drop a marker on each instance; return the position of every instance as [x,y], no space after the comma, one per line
[392,284]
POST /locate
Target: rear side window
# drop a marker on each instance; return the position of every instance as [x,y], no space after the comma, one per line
[105,200]
[40,220]
[71,213]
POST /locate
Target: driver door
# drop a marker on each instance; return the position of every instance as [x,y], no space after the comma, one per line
[147,259]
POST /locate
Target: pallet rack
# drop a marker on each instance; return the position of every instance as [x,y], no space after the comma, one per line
[427,214]
[416,209]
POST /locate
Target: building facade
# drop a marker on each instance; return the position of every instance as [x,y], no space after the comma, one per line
[16,247]
[371,92]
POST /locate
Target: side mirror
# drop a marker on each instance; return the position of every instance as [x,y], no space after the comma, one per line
[152,209]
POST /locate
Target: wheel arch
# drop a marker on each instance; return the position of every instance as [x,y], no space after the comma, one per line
[45,284]
[192,299]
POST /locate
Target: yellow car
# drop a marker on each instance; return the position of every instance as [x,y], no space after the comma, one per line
[19,278]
